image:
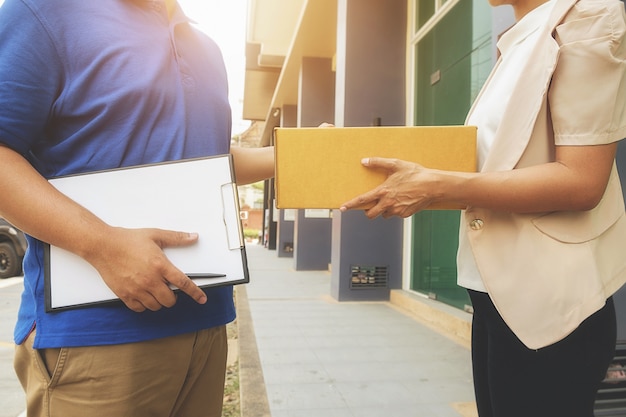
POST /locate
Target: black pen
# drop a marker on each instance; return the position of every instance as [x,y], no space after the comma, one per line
[205,275]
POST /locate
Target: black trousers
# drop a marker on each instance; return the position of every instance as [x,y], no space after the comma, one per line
[560,380]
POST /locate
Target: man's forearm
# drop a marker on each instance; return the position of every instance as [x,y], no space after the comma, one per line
[253,164]
[37,208]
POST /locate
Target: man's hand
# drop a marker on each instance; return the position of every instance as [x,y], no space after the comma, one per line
[132,263]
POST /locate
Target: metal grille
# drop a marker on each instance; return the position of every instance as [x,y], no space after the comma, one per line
[365,277]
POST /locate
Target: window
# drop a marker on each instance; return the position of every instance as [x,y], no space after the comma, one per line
[425,10]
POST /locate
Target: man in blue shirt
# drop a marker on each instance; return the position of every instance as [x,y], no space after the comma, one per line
[92,85]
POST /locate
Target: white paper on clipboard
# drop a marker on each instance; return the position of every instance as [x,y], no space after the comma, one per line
[196,195]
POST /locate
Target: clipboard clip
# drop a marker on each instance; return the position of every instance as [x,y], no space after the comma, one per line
[230,215]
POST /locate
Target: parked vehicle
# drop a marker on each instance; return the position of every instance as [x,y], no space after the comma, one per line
[12,248]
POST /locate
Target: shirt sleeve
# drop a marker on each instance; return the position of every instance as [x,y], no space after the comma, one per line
[30,76]
[588,92]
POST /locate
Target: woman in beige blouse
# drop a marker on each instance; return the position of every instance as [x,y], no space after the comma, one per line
[543,233]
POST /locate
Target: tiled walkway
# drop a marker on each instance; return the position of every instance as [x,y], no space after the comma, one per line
[320,357]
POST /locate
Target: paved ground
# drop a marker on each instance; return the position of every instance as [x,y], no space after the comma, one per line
[319,357]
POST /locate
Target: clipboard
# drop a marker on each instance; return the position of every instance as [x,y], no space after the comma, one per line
[194,195]
[320,168]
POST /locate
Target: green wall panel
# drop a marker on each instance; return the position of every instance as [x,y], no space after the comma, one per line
[453,60]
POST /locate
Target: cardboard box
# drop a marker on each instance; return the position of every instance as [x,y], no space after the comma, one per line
[321,167]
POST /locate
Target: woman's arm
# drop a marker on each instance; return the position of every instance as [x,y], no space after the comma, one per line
[575,181]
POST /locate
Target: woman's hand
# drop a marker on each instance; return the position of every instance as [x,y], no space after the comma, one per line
[407,189]
[575,181]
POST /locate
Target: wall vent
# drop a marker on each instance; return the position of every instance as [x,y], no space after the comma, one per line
[367,277]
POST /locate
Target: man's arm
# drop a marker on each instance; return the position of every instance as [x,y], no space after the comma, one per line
[253,164]
[130,261]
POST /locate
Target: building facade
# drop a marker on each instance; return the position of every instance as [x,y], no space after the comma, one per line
[363,63]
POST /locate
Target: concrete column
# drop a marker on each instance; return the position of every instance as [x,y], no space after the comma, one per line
[286,218]
[317,92]
[312,229]
[371,89]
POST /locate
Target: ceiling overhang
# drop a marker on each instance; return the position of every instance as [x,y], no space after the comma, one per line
[272,76]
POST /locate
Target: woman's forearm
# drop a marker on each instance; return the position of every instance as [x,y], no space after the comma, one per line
[575,181]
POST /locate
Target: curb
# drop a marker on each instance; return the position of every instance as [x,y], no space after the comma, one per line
[442,318]
[253,395]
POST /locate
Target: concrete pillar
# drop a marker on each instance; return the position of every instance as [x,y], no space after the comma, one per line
[371,89]
[287,217]
[269,222]
[312,228]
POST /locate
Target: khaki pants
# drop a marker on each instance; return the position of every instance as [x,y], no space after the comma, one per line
[176,376]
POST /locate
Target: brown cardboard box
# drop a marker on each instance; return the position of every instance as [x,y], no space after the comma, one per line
[321,167]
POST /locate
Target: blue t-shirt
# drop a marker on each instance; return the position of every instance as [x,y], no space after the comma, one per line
[91,85]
